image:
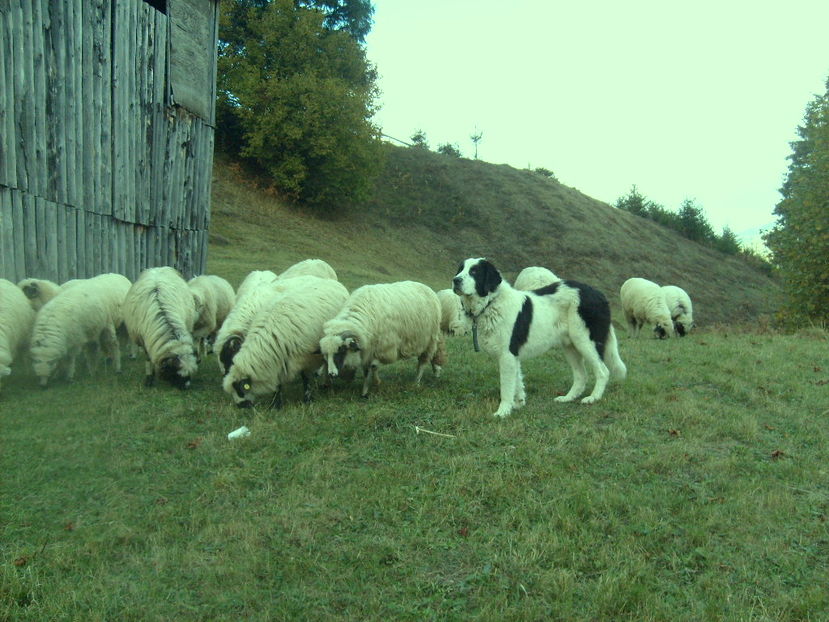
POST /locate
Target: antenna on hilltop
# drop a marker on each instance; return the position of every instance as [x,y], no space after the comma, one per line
[476,138]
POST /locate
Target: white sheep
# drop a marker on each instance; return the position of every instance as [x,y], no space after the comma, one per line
[160,311]
[39,291]
[283,341]
[16,319]
[453,319]
[214,298]
[535,277]
[254,281]
[310,267]
[643,302]
[680,308]
[252,296]
[381,324]
[79,319]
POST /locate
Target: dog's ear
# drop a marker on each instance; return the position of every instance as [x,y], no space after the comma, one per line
[488,280]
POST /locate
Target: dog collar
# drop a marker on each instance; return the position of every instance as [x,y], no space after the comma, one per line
[474,317]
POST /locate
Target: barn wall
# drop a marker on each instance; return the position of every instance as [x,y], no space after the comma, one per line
[100,169]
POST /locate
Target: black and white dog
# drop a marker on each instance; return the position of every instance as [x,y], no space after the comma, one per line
[515,325]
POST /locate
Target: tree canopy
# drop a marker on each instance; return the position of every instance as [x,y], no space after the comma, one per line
[296,96]
[799,241]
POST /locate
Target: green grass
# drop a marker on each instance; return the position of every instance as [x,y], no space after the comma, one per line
[696,490]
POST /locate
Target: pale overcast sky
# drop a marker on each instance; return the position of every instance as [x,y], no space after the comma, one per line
[694,99]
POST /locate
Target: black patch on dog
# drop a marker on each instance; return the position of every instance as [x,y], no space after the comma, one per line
[660,332]
[552,288]
[230,349]
[521,328]
[594,310]
[486,277]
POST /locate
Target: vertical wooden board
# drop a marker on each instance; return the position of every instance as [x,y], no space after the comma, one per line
[157,192]
[61,242]
[20,108]
[107,105]
[77,103]
[51,235]
[54,103]
[31,251]
[7,172]
[80,244]
[87,95]
[40,23]
[119,112]
[7,269]
[18,243]
[71,237]
[93,250]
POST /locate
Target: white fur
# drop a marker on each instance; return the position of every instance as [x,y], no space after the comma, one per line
[534,277]
[680,308]
[381,324]
[643,302]
[85,314]
[160,312]
[16,319]
[310,267]
[254,281]
[255,295]
[283,339]
[555,322]
[214,299]
[453,319]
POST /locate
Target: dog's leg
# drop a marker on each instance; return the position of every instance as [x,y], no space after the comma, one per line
[579,374]
[588,353]
[520,396]
[508,370]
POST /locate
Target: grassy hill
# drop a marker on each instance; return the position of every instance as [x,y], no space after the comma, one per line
[429,211]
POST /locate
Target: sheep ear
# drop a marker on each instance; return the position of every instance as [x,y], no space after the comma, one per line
[352,344]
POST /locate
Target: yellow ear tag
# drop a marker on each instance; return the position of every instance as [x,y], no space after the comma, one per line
[246,387]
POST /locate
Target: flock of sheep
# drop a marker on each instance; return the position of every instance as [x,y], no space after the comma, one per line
[270,331]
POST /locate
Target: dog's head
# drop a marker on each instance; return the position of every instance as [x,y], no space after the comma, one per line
[476,276]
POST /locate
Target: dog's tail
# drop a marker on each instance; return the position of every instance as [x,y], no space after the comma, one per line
[612,359]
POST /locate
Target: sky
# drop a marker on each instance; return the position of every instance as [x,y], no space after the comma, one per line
[686,100]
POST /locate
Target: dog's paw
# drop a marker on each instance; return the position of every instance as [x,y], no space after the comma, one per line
[502,412]
[564,398]
[589,400]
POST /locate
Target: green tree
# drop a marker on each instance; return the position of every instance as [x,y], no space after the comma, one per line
[419,140]
[449,149]
[693,224]
[296,97]
[634,202]
[799,241]
[727,242]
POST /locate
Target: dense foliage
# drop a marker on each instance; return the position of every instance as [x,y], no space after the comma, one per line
[690,221]
[296,97]
[800,239]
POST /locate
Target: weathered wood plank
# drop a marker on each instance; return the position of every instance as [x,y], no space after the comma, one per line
[89,131]
[104,35]
[192,72]
[61,241]
[31,252]
[7,267]
[7,174]
[81,251]
[40,23]
[75,71]
[21,107]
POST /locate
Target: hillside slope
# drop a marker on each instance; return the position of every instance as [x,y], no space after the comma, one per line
[429,211]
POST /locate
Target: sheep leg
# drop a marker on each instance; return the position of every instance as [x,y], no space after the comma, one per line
[110,338]
[70,366]
[276,402]
[149,371]
[370,374]
[579,374]
[306,388]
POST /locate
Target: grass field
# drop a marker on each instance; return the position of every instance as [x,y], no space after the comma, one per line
[696,490]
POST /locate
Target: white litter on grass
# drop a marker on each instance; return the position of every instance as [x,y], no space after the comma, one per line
[239,433]
[418,430]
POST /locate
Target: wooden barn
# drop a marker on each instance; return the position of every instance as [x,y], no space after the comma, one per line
[107,111]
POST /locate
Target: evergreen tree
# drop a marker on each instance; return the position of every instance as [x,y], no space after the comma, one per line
[296,97]
[727,242]
[635,202]
[799,241]
[693,224]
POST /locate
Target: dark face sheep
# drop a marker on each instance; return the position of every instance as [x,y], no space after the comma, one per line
[170,371]
[241,388]
[230,349]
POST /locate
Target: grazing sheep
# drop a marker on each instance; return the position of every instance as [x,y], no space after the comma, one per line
[214,299]
[534,277]
[254,281]
[453,319]
[643,302]
[680,308]
[160,312]
[381,324]
[80,318]
[258,288]
[283,341]
[310,267]
[39,291]
[16,319]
